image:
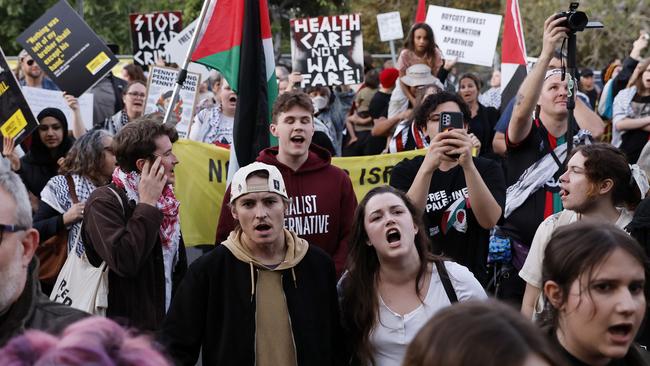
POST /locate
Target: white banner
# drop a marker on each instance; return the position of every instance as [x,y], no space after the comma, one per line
[390,26]
[39,99]
[467,35]
[177,50]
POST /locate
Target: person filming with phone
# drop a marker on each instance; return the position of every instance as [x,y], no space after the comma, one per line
[460,196]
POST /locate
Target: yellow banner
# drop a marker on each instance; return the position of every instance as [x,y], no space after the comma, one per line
[201,182]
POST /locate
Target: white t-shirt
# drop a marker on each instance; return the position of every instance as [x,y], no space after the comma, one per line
[393,332]
[531,272]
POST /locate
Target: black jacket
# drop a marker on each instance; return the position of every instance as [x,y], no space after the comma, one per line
[214,309]
[33,310]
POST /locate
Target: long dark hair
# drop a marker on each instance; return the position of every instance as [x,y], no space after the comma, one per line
[474,332]
[410,40]
[604,161]
[577,249]
[359,288]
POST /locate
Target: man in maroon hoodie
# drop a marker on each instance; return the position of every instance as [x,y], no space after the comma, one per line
[322,201]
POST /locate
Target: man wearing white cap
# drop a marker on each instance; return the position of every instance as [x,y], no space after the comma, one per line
[264,297]
[416,76]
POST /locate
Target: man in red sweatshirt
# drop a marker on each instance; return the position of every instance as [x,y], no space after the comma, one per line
[322,201]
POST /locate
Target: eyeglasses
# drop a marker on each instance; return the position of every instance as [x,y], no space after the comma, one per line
[10,229]
[29,62]
[141,95]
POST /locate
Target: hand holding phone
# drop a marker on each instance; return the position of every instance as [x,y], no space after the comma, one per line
[450,121]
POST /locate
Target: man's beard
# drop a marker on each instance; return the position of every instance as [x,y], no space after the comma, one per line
[13,279]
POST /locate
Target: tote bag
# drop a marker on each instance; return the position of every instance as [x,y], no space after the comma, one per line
[82,285]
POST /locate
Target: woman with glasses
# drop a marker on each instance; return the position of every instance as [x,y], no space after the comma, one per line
[134,97]
[88,165]
[50,142]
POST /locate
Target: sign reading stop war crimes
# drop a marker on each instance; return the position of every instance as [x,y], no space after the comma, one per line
[159,92]
[467,35]
[328,50]
[67,49]
[16,119]
[151,32]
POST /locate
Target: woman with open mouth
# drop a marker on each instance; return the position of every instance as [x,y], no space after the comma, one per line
[594,281]
[394,284]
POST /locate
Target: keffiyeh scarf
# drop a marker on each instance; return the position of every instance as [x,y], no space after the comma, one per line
[170,229]
[57,195]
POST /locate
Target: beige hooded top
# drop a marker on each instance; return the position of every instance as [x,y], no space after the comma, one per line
[274,343]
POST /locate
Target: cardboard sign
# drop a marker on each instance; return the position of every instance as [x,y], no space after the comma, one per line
[150,33]
[328,50]
[159,91]
[67,49]
[177,49]
[39,99]
[16,119]
[467,35]
[390,26]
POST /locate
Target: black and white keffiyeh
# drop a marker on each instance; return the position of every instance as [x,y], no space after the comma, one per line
[57,196]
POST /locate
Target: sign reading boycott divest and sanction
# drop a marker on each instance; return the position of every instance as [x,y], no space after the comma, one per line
[67,49]
[151,32]
[467,35]
[16,119]
[328,50]
[203,169]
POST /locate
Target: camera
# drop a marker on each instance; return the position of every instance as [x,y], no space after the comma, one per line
[576,20]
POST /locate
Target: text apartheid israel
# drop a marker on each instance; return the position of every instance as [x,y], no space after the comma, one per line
[328,50]
[151,32]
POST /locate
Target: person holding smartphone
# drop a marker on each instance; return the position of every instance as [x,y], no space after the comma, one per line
[460,196]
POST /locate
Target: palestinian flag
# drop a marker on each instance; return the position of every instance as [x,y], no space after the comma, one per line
[421,13]
[455,216]
[513,57]
[236,36]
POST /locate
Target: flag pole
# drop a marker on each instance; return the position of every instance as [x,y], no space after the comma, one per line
[180,80]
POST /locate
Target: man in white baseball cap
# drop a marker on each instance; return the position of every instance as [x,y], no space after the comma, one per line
[263,297]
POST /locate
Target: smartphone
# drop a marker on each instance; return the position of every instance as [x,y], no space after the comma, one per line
[449,121]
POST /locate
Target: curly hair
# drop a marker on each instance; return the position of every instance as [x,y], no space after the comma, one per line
[86,157]
[431,102]
[137,140]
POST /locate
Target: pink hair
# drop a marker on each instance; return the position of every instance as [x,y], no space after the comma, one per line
[94,340]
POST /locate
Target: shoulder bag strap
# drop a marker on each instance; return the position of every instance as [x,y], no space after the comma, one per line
[71,189]
[446,282]
[118,198]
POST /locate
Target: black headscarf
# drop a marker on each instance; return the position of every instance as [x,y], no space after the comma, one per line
[39,154]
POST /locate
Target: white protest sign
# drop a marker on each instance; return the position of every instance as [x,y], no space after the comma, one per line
[39,99]
[177,50]
[467,35]
[159,91]
[390,26]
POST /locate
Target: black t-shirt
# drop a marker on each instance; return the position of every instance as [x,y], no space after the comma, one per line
[633,141]
[448,216]
[379,105]
[523,222]
[482,126]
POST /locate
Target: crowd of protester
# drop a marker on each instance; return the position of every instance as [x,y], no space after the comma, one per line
[544,214]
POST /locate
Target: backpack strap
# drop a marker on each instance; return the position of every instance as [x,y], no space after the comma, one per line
[118,198]
[71,189]
[446,282]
